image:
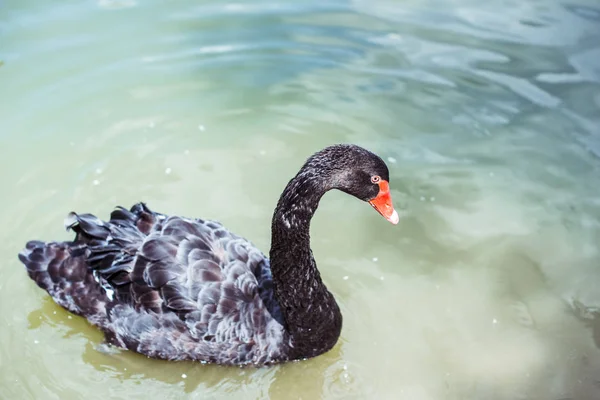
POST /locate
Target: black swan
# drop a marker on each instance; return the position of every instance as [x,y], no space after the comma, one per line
[188,289]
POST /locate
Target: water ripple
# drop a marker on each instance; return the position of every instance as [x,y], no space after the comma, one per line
[487,115]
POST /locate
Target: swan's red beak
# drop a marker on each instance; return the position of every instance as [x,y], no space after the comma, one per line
[383,203]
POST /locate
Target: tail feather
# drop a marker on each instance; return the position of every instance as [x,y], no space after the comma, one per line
[61,270]
[82,276]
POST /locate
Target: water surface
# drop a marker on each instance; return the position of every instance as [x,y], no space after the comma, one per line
[488,115]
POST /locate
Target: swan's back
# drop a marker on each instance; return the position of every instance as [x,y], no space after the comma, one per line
[167,287]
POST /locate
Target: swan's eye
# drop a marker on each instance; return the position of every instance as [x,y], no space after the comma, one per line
[375,179]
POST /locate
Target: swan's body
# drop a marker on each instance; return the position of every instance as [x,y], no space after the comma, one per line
[178,288]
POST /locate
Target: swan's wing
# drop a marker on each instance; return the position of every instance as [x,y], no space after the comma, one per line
[212,279]
[200,270]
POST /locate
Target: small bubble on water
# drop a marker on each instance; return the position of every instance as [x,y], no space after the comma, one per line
[432,198]
[262,152]
[345,277]
[54,312]
[168,171]
[201,128]
[96,182]
[98,171]
[183,376]
[494,321]
[36,341]
[422,198]
[151,124]
[345,367]
[392,160]
[381,278]
[375,259]
[40,317]
[124,369]
[491,174]
[186,152]
[70,317]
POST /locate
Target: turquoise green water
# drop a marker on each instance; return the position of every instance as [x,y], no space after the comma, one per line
[487,113]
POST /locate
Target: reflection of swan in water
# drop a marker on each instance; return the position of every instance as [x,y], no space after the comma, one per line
[311,379]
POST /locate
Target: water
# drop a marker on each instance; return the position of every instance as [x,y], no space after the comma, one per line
[488,115]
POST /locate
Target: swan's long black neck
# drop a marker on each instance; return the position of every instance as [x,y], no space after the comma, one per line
[311,315]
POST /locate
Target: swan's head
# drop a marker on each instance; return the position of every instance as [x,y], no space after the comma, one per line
[358,172]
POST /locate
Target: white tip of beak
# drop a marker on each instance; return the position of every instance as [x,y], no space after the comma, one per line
[394,218]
